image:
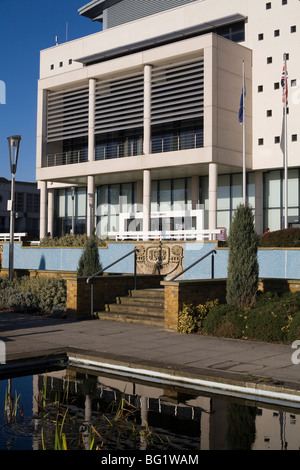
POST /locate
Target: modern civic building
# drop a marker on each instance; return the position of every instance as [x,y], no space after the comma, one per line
[138,124]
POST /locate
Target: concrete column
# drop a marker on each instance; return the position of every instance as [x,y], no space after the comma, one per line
[146,201]
[91,137]
[43,208]
[90,211]
[41,139]
[50,212]
[259,204]
[147,109]
[90,219]
[213,191]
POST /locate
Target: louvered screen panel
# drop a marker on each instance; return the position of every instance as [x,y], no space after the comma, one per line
[68,114]
[131,10]
[119,104]
[177,92]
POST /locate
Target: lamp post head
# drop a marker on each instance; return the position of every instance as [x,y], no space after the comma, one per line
[14,145]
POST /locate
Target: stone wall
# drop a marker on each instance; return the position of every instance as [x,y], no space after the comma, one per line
[106,289]
[178,293]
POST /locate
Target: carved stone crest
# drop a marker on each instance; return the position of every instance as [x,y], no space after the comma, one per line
[159,258]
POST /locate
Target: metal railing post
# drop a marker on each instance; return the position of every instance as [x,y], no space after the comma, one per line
[135,261]
[90,280]
[194,264]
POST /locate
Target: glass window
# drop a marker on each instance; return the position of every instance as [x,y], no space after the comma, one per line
[165,195]
[272,191]
[237,190]
[224,192]
[81,202]
[293,189]
[178,195]
[251,189]
[154,196]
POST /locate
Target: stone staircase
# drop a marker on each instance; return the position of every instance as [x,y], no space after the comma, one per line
[144,306]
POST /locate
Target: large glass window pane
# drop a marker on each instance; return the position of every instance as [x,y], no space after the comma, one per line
[154,196]
[179,194]
[81,202]
[237,190]
[224,192]
[223,219]
[272,219]
[189,194]
[61,203]
[251,189]
[165,195]
[102,208]
[272,190]
[126,198]
[293,188]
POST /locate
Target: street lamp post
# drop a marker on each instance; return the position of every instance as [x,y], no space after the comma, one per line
[73,209]
[14,145]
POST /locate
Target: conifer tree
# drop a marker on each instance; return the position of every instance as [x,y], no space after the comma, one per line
[242,281]
[89,262]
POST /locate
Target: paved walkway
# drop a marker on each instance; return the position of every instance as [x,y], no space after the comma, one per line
[155,352]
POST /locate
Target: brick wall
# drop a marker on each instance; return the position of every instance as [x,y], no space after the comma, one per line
[106,289]
[189,292]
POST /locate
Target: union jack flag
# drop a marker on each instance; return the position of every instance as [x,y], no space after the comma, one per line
[284,84]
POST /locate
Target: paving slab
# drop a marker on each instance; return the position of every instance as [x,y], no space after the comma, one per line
[133,347]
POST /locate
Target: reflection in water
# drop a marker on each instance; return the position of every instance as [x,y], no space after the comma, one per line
[240,426]
[111,413]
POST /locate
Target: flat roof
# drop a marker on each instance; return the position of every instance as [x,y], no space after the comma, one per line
[160,40]
[94,9]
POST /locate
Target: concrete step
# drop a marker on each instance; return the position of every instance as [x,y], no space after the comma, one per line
[147,293]
[144,306]
[135,309]
[141,301]
[131,318]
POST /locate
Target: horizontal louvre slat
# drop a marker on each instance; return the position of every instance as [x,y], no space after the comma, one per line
[131,10]
[119,103]
[178,91]
[68,113]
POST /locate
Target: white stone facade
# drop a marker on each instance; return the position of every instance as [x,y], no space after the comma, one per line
[149,110]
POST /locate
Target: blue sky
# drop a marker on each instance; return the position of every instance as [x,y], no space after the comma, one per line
[26,27]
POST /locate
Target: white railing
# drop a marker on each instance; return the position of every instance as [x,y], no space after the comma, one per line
[203,235]
[171,143]
[67,158]
[4,237]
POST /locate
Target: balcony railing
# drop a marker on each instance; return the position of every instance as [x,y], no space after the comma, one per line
[173,143]
[67,158]
[159,144]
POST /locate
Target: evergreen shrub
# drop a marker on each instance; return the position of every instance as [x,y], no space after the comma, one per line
[242,281]
[224,321]
[69,240]
[89,262]
[287,238]
[192,317]
[45,296]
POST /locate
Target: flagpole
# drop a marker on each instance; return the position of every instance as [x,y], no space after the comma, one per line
[285,150]
[244,139]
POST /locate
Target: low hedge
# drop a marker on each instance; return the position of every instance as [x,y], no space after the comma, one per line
[287,238]
[46,296]
[273,319]
[78,241]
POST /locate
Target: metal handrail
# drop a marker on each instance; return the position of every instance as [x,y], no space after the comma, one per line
[91,278]
[212,252]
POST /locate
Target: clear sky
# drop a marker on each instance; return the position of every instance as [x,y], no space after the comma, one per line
[26,27]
